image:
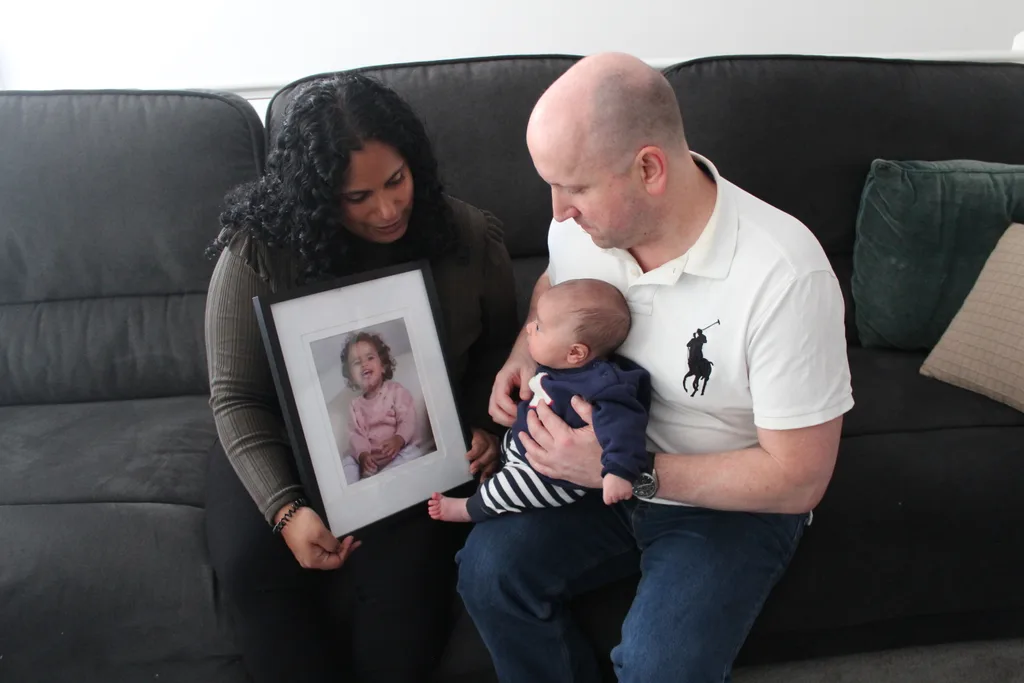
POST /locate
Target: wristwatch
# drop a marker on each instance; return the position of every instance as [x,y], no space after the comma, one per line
[646,484]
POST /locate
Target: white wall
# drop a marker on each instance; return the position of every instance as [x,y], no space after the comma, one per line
[236,43]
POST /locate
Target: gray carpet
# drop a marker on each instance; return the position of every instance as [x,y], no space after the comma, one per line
[1000,661]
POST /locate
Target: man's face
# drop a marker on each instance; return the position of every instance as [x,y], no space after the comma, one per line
[607,202]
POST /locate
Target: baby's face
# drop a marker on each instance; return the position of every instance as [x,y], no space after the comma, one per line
[550,334]
[365,366]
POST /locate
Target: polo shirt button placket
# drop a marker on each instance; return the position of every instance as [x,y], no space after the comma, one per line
[641,299]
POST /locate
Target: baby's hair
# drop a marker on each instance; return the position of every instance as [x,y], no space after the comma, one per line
[602,314]
[383,350]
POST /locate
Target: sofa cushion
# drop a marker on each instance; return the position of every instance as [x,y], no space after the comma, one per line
[475,112]
[152,451]
[892,397]
[107,202]
[924,231]
[983,349]
[110,592]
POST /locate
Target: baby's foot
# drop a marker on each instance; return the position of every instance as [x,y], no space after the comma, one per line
[448,509]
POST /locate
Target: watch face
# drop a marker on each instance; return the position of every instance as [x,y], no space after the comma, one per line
[645,486]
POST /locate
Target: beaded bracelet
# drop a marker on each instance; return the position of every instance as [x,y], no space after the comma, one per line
[296,504]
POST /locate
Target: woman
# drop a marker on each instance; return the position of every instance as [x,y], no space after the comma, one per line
[351,185]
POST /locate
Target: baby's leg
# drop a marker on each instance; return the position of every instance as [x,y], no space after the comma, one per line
[517,488]
[448,509]
[351,468]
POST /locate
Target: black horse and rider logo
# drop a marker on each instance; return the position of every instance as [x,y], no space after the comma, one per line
[700,367]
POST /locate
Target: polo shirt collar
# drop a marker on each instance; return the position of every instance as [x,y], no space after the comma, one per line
[711,255]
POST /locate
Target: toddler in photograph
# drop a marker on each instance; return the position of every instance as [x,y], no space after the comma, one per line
[382,419]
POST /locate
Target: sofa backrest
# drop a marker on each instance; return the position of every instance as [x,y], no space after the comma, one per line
[107,201]
[801,132]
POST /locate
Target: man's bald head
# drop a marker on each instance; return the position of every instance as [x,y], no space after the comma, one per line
[609,106]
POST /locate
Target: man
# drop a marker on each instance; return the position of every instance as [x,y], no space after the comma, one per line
[738,467]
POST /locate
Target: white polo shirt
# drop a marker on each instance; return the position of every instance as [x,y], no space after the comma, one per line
[759,287]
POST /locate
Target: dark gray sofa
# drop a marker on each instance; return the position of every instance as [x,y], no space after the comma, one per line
[106,201]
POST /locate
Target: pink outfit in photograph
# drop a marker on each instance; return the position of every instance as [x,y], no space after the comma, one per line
[372,421]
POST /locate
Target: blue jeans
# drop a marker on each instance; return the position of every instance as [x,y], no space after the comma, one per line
[704,577]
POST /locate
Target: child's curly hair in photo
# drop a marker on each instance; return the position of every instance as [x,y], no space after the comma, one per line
[383,351]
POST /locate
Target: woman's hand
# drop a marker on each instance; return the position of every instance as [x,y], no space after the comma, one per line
[312,543]
[389,449]
[367,464]
[483,454]
[516,372]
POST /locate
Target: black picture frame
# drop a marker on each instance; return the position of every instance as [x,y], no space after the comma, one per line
[292,414]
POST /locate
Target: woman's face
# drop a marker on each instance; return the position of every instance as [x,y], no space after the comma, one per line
[365,366]
[377,194]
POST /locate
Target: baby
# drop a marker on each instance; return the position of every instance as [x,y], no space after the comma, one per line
[382,421]
[578,325]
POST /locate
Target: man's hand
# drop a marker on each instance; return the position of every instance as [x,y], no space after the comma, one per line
[516,372]
[483,454]
[312,543]
[615,489]
[556,450]
[389,449]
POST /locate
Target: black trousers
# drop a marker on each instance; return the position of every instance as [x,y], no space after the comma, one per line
[384,617]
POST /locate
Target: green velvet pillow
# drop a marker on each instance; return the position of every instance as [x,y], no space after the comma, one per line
[924,232]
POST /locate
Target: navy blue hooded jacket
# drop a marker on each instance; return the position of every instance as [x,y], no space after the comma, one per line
[620,393]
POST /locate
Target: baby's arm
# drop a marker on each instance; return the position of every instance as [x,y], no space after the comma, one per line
[405,411]
[359,441]
[620,424]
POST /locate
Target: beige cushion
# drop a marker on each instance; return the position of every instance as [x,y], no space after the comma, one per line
[983,348]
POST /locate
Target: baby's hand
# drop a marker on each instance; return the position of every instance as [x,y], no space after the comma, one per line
[615,489]
[367,465]
[391,447]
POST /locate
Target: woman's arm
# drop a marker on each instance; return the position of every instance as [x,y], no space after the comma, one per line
[242,393]
[500,326]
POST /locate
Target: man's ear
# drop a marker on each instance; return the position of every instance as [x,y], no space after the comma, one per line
[653,165]
[578,354]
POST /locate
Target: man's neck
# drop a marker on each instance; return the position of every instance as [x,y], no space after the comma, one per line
[692,201]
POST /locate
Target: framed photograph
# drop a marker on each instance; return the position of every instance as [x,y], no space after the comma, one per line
[366,394]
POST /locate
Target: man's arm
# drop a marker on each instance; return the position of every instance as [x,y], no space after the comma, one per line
[787,472]
[517,369]
[799,381]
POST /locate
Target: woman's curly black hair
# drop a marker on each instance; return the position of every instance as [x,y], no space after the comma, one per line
[297,202]
[383,351]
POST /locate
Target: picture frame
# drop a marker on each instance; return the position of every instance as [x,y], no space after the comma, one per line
[366,394]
